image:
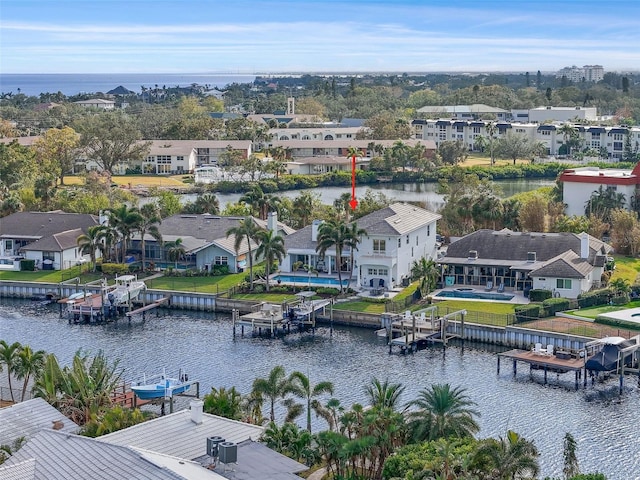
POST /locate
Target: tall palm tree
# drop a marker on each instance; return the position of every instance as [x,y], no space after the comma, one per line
[491,129]
[443,412]
[271,248]
[124,220]
[333,233]
[568,132]
[175,251]
[384,394]
[208,203]
[260,202]
[29,364]
[9,360]
[301,387]
[272,388]
[303,206]
[509,458]
[247,230]
[148,224]
[341,204]
[91,242]
[354,237]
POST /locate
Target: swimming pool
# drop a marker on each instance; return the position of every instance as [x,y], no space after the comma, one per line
[474,295]
[309,280]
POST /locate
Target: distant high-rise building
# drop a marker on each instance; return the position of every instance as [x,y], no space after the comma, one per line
[588,73]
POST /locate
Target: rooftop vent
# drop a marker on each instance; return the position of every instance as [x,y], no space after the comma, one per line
[473,254]
[531,257]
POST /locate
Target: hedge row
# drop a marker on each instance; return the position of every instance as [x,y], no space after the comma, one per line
[539,295]
[594,298]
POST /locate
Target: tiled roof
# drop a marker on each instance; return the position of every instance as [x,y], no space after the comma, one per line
[26,419]
[176,434]
[301,239]
[63,456]
[20,471]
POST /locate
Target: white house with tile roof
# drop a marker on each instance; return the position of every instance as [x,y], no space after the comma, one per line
[396,236]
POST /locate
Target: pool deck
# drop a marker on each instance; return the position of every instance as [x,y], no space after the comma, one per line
[518,296]
[631,315]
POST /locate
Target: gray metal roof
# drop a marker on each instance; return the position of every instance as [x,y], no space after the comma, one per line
[64,456]
[566,265]
[397,219]
[26,419]
[20,471]
[58,242]
[176,434]
[256,460]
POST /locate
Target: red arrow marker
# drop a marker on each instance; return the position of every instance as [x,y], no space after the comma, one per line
[353,203]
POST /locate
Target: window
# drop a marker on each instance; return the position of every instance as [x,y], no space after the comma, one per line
[399,242]
[476,129]
[564,283]
[379,246]
[407,239]
[417,240]
[378,271]
[595,136]
[617,136]
[545,133]
[180,158]
[428,230]
[617,145]
[595,144]
[48,256]
[220,260]
[8,245]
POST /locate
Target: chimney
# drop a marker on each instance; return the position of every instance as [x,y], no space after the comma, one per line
[272,222]
[584,245]
[196,411]
[315,226]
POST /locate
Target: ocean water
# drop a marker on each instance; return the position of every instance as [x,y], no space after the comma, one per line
[75,83]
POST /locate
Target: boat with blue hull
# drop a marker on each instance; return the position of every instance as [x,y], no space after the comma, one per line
[163,387]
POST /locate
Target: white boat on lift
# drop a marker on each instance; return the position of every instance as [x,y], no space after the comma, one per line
[127,287]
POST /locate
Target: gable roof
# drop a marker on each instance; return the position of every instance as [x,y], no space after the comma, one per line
[57,242]
[176,434]
[37,225]
[565,265]
[26,419]
[397,219]
[63,456]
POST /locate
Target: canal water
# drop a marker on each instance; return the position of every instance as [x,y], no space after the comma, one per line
[604,424]
[403,192]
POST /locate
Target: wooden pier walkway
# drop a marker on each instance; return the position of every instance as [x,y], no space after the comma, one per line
[559,363]
[148,307]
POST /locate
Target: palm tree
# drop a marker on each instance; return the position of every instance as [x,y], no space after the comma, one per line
[91,242]
[427,271]
[303,207]
[341,204]
[354,237]
[124,220]
[149,220]
[491,132]
[224,403]
[260,202]
[29,364]
[9,359]
[443,412]
[247,230]
[208,203]
[384,394]
[301,387]
[333,233]
[568,131]
[271,248]
[509,458]
[274,387]
[175,251]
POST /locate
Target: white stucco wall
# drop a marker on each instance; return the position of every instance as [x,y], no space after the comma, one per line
[576,195]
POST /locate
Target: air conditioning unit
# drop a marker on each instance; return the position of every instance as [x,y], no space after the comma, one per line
[213,445]
[228,452]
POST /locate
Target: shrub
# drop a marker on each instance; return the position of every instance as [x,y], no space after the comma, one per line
[333,292]
[554,305]
[115,268]
[525,313]
[621,299]
[220,270]
[539,295]
[27,265]
[594,298]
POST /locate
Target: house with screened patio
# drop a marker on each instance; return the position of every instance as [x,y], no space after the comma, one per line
[565,263]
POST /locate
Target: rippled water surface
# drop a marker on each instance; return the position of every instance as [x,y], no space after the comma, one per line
[604,424]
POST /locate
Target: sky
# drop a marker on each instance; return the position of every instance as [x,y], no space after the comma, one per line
[291,36]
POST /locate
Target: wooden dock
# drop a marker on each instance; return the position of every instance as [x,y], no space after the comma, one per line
[558,363]
[148,307]
[413,331]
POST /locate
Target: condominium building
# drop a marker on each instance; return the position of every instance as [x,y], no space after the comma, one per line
[587,73]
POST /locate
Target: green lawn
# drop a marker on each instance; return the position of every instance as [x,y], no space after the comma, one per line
[49,276]
[486,307]
[627,268]
[360,306]
[197,284]
[593,312]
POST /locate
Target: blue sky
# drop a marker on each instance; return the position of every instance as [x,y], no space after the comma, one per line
[265,36]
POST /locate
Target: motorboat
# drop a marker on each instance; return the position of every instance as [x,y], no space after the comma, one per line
[163,388]
[611,353]
[127,287]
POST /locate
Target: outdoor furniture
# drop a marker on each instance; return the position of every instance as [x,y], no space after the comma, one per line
[501,288]
[489,286]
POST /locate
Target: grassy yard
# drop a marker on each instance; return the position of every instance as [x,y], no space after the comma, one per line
[627,268]
[146,181]
[197,284]
[360,306]
[485,307]
[593,312]
[50,276]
